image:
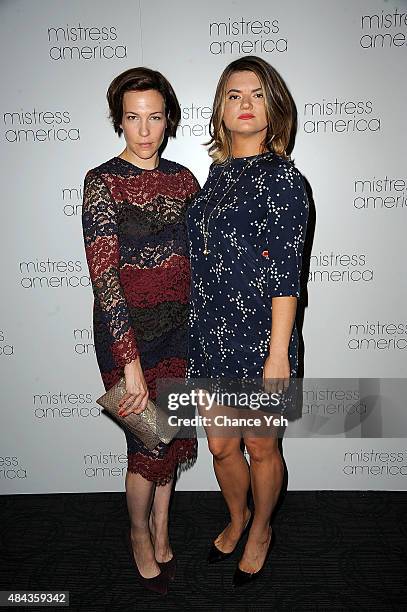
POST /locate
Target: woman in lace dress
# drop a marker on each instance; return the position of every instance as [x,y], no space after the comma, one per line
[135,240]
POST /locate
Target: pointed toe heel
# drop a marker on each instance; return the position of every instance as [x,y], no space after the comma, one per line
[215,555]
[157,584]
[241,578]
[169,567]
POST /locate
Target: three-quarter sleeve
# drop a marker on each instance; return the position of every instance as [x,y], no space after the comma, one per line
[100,233]
[287,222]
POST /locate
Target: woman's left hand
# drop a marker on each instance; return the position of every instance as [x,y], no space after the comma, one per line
[276,372]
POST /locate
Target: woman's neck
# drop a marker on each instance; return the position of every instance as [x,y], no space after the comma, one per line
[145,164]
[246,146]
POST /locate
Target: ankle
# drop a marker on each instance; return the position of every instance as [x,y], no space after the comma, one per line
[240,520]
[260,536]
[159,530]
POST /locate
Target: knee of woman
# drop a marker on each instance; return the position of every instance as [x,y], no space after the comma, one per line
[260,449]
[220,448]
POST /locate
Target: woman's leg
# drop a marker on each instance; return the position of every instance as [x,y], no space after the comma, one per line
[231,470]
[232,473]
[139,497]
[159,522]
[266,471]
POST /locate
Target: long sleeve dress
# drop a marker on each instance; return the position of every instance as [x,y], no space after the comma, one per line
[136,247]
[256,230]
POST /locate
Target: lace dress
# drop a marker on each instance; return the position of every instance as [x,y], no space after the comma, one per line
[136,248]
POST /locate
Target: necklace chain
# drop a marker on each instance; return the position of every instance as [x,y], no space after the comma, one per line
[205,226]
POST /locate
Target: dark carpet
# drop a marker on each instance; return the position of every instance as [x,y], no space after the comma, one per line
[339,551]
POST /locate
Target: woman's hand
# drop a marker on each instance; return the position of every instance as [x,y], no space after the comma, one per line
[136,397]
[276,372]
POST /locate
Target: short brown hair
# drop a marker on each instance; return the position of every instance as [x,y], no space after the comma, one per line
[279,109]
[142,79]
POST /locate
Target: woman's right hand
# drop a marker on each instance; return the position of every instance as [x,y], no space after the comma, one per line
[136,397]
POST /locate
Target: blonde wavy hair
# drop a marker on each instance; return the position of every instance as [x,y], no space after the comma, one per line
[278,103]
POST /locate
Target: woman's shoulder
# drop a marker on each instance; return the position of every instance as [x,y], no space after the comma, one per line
[282,168]
[111,166]
[172,167]
[276,162]
[178,170]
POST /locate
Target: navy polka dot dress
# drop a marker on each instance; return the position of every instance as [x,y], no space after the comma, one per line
[256,228]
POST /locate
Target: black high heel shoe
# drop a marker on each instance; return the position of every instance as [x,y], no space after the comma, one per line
[241,578]
[158,584]
[215,555]
[169,567]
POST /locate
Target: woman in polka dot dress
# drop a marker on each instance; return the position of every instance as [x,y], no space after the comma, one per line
[246,230]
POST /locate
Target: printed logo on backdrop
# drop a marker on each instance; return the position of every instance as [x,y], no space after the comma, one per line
[243,36]
[83,341]
[6,346]
[328,402]
[379,193]
[84,43]
[62,405]
[194,120]
[104,465]
[38,126]
[377,336]
[50,274]
[340,116]
[11,468]
[383,30]
[340,268]
[375,463]
[72,198]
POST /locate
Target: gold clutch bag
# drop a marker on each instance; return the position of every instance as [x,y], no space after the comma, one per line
[150,426]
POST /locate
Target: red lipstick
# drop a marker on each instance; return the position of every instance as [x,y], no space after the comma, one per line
[246,116]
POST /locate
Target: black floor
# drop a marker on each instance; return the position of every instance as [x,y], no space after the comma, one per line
[336,551]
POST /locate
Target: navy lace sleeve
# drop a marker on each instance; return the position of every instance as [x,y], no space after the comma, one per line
[100,234]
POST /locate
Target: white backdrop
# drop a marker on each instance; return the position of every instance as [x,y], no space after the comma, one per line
[344,64]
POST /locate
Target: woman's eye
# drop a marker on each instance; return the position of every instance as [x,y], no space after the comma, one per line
[259,95]
[233,97]
[157,117]
[131,117]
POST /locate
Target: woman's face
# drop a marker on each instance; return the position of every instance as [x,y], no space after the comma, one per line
[245,112]
[143,122]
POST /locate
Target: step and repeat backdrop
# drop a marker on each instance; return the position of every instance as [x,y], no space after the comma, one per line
[344,63]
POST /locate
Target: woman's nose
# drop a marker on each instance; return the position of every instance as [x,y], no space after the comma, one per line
[143,128]
[246,102]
